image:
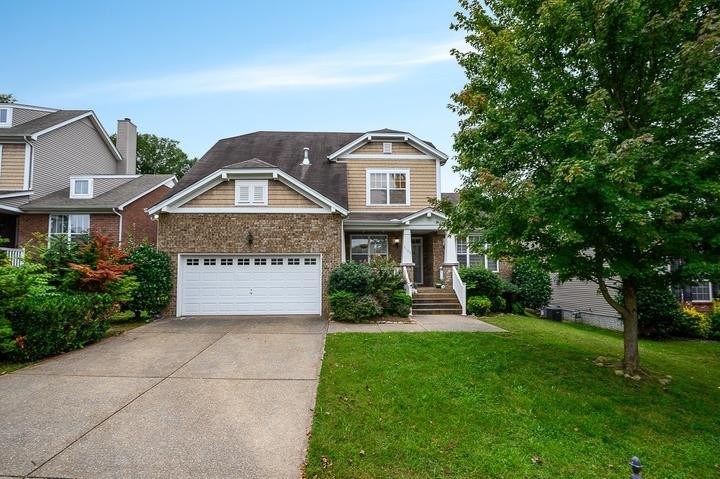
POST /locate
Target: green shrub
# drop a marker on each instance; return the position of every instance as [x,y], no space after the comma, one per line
[518,308]
[481,282]
[58,322]
[350,308]
[498,304]
[385,280]
[533,283]
[479,305]
[153,270]
[400,304]
[353,277]
[659,314]
[692,324]
[715,320]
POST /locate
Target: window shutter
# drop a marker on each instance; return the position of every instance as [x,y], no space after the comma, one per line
[242,194]
[258,194]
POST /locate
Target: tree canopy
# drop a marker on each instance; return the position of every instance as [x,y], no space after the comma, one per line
[589,140]
[159,155]
[7,98]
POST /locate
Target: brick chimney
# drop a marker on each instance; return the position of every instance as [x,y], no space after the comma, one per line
[127,146]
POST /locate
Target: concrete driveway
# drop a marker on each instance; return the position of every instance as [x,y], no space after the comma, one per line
[198,397]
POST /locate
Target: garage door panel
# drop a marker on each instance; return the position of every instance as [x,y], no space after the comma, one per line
[273,284]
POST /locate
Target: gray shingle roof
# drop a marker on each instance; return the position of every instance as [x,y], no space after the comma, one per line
[284,150]
[61,201]
[39,124]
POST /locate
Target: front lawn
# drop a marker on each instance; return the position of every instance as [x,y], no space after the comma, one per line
[528,403]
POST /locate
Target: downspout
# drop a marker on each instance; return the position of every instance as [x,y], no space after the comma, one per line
[31,161]
[117,212]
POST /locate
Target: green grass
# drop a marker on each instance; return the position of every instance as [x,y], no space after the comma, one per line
[480,405]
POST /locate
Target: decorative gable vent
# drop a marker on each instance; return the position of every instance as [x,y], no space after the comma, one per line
[387,148]
[253,193]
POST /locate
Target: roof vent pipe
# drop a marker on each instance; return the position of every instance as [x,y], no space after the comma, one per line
[306,156]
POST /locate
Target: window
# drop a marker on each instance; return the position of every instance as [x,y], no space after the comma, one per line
[81,188]
[293,261]
[226,261]
[69,227]
[276,261]
[209,262]
[5,117]
[310,261]
[253,193]
[390,187]
[260,261]
[467,257]
[192,262]
[243,261]
[701,292]
[387,148]
[364,248]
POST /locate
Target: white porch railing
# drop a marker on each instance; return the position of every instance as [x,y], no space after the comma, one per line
[409,290]
[15,255]
[459,288]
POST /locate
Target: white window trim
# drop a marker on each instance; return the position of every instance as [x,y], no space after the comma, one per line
[252,184]
[467,254]
[8,123]
[1,160]
[89,194]
[710,293]
[387,147]
[368,236]
[369,172]
[67,234]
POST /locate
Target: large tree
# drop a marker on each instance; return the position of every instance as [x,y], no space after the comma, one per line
[159,155]
[589,140]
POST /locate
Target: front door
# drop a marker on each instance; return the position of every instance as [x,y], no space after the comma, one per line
[417,254]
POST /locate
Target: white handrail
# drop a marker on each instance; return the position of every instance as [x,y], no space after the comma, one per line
[15,255]
[459,288]
[406,280]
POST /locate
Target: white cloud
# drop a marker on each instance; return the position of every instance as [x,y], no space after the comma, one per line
[378,63]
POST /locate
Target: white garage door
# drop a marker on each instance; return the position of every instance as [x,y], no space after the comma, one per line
[258,284]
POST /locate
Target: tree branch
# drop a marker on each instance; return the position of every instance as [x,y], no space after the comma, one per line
[610,300]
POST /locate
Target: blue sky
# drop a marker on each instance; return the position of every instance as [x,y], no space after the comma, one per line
[201,71]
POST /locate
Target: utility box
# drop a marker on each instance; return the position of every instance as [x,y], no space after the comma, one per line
[553,312]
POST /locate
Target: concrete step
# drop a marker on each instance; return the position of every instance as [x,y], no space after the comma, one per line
[423,299]
[457,310]
[434,295]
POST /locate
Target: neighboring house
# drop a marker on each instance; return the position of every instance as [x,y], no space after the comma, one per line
[581,301]
[60,174]
[256,226]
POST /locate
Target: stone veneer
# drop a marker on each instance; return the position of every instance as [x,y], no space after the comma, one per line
[272,233]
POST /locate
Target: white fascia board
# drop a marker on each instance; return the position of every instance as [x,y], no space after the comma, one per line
[423,212]
[225,174]
[28,107]
[82,177]
[16,193]
[11,209]
[248,210]
[415,141]
[380,226]
[169,183]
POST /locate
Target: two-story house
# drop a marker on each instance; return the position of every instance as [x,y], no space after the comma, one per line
[61,175]
[256,226]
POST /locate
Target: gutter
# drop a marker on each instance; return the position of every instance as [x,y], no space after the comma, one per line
[115,210]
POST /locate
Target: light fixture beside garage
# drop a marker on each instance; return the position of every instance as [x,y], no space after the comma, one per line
[249,238]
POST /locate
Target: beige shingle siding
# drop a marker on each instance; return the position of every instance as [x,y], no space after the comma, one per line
[23,115]
[223,196]
[423,182]
[12,167]
[72,150]
[376,148]
[582,296]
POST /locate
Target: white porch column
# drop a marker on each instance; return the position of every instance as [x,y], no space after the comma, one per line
[406,259]
[450,249]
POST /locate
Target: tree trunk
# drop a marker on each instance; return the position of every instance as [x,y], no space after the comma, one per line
[631,358]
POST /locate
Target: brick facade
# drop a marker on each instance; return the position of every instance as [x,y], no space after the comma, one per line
[137,224]
[272,233]
[29,225]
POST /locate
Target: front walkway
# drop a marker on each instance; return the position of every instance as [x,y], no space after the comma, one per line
[420,324]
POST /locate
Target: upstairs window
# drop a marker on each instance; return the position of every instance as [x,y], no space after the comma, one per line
[5,117]
[69,227]
[251,193]
[81,188]
[388,187]
[466,256]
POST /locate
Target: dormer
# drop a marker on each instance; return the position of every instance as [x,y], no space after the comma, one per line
[81,187]
[6,114]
